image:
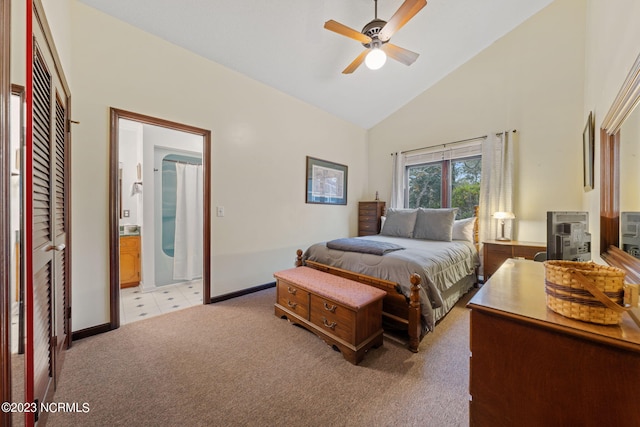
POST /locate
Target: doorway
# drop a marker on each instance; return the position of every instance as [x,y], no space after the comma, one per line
[159,172]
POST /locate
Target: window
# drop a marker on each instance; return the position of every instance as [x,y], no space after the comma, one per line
[444,177]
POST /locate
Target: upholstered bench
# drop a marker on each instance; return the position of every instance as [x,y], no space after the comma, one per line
[344,313]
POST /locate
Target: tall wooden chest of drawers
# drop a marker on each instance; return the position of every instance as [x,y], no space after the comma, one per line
[369,214]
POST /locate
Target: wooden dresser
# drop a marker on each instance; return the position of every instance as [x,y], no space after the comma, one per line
[369,214]
[129,261]
[344,313]
[495,252]
[533,367]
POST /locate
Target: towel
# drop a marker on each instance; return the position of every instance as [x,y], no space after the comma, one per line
[136,188]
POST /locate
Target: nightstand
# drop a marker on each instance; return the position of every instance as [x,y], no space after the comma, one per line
[497,251]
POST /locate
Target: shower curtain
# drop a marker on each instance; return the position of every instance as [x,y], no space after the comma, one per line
[187,258]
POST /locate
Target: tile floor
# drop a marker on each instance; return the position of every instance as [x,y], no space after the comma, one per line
[137,305]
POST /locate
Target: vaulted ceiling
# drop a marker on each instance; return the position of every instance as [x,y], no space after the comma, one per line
[283,44]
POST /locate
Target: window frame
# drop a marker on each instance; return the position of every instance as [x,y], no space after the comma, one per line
[445,164]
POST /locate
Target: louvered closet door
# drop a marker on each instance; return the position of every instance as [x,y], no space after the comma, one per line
[59,166]
[50,208]
[42,230]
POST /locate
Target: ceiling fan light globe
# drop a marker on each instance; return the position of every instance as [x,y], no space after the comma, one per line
[375,59]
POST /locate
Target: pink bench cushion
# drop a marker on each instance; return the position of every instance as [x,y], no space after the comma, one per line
[339,289]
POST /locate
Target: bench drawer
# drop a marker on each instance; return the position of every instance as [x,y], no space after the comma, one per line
[293,298]
[333,318]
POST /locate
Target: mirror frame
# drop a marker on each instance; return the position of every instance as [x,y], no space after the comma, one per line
[627,99]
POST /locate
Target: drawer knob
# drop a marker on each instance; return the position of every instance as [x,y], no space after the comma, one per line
[292,304]
[291,290]
[331,308]
[326,323]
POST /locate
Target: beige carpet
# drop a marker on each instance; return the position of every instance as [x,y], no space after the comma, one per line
[235,364]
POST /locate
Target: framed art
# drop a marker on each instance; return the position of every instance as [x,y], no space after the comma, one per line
[587,152]
[326,182]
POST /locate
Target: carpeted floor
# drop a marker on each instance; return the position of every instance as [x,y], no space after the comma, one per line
[235,364]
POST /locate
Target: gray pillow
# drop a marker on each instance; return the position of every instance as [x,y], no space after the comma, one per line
[399,222]
[435,224]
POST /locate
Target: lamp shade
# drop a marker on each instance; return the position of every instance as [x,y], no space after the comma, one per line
[503,215]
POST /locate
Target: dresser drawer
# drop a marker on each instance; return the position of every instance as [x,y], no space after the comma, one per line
[500,251]
[364,216]
[368,226]
[293,298]
[368,207]
[526,252]
[333,318]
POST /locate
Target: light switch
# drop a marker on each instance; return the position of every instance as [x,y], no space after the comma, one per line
[220,210]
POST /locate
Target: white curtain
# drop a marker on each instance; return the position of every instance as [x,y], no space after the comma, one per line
[187,254]
[397,181]
[496,187]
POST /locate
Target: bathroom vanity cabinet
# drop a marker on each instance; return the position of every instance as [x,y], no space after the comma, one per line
[129,261]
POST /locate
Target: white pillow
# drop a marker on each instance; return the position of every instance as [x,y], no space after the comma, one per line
[463,229]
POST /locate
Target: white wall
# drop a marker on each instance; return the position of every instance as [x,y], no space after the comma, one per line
[531,80]
[260,138]
[18,43]
[129,145]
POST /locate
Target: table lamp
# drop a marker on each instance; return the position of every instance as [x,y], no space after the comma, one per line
[501,216]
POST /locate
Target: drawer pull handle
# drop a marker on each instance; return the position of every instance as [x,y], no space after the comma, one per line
[326,323]
[292,304]
[291,290]
[331,308]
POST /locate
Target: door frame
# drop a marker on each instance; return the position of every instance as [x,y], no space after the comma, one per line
[114,203]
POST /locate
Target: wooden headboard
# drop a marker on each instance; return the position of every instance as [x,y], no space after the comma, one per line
[476,228]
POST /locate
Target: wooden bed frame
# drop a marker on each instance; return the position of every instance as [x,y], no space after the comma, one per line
[397,309]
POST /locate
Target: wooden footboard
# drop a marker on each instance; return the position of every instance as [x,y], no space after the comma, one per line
[396,307]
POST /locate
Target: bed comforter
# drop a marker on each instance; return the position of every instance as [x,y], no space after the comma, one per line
[439,264]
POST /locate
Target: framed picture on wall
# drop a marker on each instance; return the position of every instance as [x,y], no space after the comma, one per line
[587,152]
[326,182]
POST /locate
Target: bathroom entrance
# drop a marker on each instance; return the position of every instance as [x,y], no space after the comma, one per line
[160,217]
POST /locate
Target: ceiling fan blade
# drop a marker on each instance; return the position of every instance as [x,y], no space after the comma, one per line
[405,56]
[356,62]
[405,12]
[342,29]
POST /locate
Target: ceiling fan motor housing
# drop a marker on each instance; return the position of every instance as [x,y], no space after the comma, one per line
[372,29]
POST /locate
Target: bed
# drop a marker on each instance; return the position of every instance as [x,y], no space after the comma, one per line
[424,258]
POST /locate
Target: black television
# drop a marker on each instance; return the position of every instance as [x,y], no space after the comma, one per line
[568,236]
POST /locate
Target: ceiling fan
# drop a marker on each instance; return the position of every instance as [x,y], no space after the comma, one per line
[375,37]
